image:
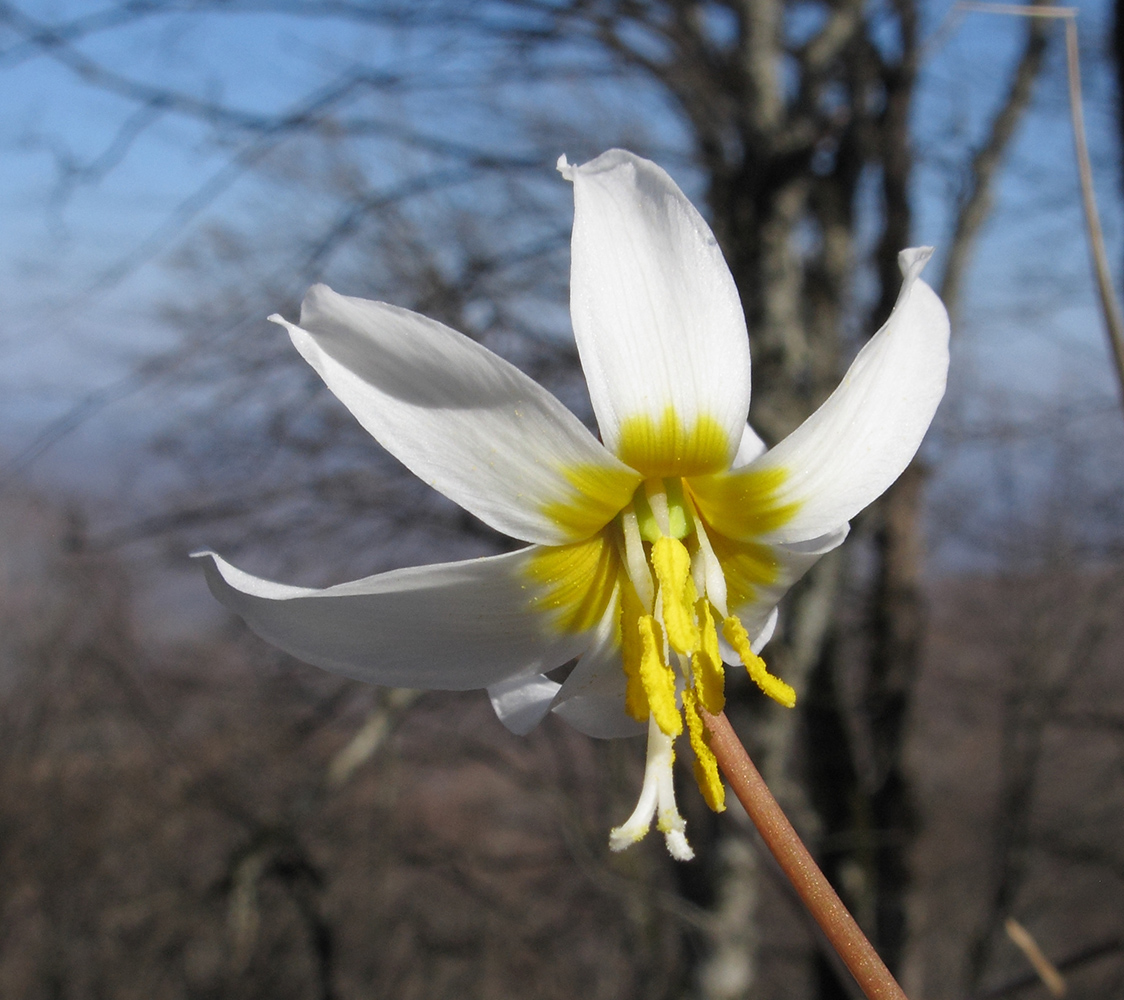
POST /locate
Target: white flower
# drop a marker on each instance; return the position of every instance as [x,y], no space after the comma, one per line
[642,548]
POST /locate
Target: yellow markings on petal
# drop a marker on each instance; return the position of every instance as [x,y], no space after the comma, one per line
[575,582]
[745,566]
[658,677]
[743,504]
[706,664]
[666,447]
[706,765]
[774,687]
[672,564]
[632,651]
[600,494]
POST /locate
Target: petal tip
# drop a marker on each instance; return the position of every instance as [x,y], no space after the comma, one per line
[613,158]
[314,300]
[912,261]
[610,160]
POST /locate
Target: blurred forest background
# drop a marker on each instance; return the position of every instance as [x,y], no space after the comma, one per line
[185,813]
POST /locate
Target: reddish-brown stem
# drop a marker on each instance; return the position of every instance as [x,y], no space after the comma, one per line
[823,903]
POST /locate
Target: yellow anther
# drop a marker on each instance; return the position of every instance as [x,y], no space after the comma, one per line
[706,766]
[672,564]
[774,687]
[635,700]
[658,677]
[706,664]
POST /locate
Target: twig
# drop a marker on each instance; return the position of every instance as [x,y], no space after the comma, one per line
[975,202]
[796,862]
[1068,964]
[1045,969]
[1017,10]
[1110,305]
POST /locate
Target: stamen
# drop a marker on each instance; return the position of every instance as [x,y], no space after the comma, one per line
[658,678]
[706,665]
[706,764]
[635,559]
[715,588]
[698,571]
[657,500]
[774,687]
[657,793]
[672,564]
[632,651]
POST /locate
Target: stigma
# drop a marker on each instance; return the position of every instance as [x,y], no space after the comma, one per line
[672,597]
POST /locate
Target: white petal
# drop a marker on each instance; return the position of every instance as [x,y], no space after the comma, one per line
[818,546]
[592,697]
[656,314]
[858,442]
[462,419]
[765,633]
[453,626]
[521,702]
[759,615]
[750,448]
[601,716]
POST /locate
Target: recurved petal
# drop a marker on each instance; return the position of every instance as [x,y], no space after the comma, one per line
[857,443]
[462,419]
[521,702]
[759,641]
[758,576]
[452,626]
[657,318]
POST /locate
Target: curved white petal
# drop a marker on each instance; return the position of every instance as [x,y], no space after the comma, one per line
[857,443]
[754,600]
[592,697]
[657,317]
[750,449]
[521,703]
[765,633]
[453,626]
[462,419]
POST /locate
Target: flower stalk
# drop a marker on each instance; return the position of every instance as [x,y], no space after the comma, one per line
[822,901]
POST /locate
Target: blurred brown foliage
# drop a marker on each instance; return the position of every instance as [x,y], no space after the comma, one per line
[217,821]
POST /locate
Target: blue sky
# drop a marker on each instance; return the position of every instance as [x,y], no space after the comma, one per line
[1029,323]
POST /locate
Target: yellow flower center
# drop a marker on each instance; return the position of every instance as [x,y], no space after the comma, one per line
[669,642]
[669,580]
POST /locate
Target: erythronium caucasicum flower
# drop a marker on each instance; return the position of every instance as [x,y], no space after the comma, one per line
[655,556]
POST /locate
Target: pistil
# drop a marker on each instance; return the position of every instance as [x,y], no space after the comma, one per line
[657,797]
